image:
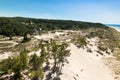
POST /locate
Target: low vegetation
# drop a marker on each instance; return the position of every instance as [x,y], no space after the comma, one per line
[19,26]
[5,44]
[80,41]
[33,66]
[16,65]
[109,39]
[53,54]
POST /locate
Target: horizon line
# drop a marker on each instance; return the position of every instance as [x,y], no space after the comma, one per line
[55,19]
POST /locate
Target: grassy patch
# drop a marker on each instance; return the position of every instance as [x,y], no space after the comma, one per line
[80,40]
[109,38]
[5,44]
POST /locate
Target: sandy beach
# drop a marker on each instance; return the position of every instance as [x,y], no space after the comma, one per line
[115,28]
[86,66]
[83,65]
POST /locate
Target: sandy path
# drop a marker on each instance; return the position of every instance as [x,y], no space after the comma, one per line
[13,43]
[82,67]
[6,55]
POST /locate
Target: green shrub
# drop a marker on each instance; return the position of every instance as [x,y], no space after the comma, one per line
[102,48]
[15,64]
[5,66]
[80,40]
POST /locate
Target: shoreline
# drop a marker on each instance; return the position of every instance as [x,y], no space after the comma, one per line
[116,28]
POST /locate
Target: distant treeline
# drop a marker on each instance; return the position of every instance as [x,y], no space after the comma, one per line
[19,26]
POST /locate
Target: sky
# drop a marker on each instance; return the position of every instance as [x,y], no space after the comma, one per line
[102,11]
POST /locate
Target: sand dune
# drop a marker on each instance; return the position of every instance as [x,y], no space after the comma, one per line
[85,67]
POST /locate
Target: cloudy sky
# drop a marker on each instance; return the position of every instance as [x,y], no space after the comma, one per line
[104,11]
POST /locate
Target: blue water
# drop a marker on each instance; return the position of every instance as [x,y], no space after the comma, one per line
[114,25]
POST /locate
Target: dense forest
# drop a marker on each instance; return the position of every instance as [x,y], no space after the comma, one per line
[19,26]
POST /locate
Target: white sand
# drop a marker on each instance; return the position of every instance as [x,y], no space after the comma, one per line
[59,33]
[45,36]
[35,52]
[14,43]
[49,35]
[5,55]
[82,65]
[115,28]
[85,66]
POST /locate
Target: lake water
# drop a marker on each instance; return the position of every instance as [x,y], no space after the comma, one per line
[117,26]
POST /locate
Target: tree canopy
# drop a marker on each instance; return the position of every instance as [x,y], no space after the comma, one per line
[19,26]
